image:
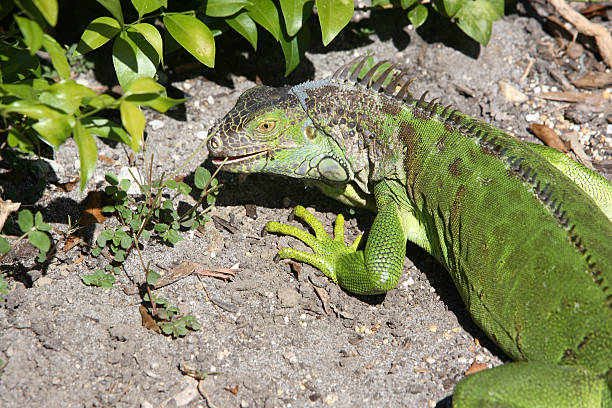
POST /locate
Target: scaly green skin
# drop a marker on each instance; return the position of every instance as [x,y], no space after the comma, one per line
[524,232]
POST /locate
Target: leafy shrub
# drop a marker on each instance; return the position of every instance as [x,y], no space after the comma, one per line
[35,108]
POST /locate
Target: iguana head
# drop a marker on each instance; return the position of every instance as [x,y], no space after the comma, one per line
[268,131]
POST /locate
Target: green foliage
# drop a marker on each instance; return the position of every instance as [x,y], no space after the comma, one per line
[167,317]
[153,217]
[473,17]
[99,278]
[34,229]
[40,102]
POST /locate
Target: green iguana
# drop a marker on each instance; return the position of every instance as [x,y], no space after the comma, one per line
[525,232]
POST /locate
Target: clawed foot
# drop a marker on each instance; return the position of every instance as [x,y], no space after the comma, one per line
[328,252]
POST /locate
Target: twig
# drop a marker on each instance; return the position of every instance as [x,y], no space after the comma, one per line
[529,65]
[586,27]
[205,395]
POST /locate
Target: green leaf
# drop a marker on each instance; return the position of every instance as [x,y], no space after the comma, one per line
[25,220]
[133,121]
[119,256]
[125,184]
[184,189]
[133,57]
[152,277]
[58,56]
[111,179]
[88,152]
[167,204]
[20,141]
[475,18]
[52,126]
[27,89]
[293,13]
[381,3]
[194,36]
[174,237]
[245,26]
[48,9]
[144,86]
[146,6]
[294,48]
[5,246]
[125,242]
[334,15]
[406,3]
[265,13]
[418,15]
[17,64]
[114,6]
[105,128]
[98,33]
[38,219]
[32,33]
[66,95]
[145,235]
[152,36]
[40,240]
[201,178]
[160,227]
[448,8]
[224,8]
[99,278]
[44,227]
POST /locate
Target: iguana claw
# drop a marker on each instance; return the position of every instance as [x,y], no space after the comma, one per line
[327,251]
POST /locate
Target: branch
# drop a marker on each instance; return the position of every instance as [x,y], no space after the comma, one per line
[586,27]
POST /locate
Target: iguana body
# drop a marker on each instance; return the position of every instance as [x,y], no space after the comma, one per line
[525,234]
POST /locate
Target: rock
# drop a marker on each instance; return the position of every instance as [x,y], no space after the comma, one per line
[288,297]
[511,93]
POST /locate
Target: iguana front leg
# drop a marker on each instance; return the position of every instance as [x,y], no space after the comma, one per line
[377,269]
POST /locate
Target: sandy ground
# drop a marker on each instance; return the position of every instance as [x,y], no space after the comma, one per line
[273,342]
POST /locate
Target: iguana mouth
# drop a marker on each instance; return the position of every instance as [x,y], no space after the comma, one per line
[217,161]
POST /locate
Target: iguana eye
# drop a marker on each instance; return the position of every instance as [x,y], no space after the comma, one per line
[266,126]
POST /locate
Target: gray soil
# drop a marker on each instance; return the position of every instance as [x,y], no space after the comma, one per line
[267,334]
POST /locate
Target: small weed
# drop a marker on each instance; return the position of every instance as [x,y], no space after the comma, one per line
[166,316]
[99,278]
[34,229]
[154,217]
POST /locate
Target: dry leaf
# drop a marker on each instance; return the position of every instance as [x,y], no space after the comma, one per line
[233,390]
[106,159]
[594,80]
[548,136]
[93,209]
[564,96]
[147,320]
[324,296]
[593,10]
[6,208]
[71,241]
[185,269]
[69,186]
[476,367]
